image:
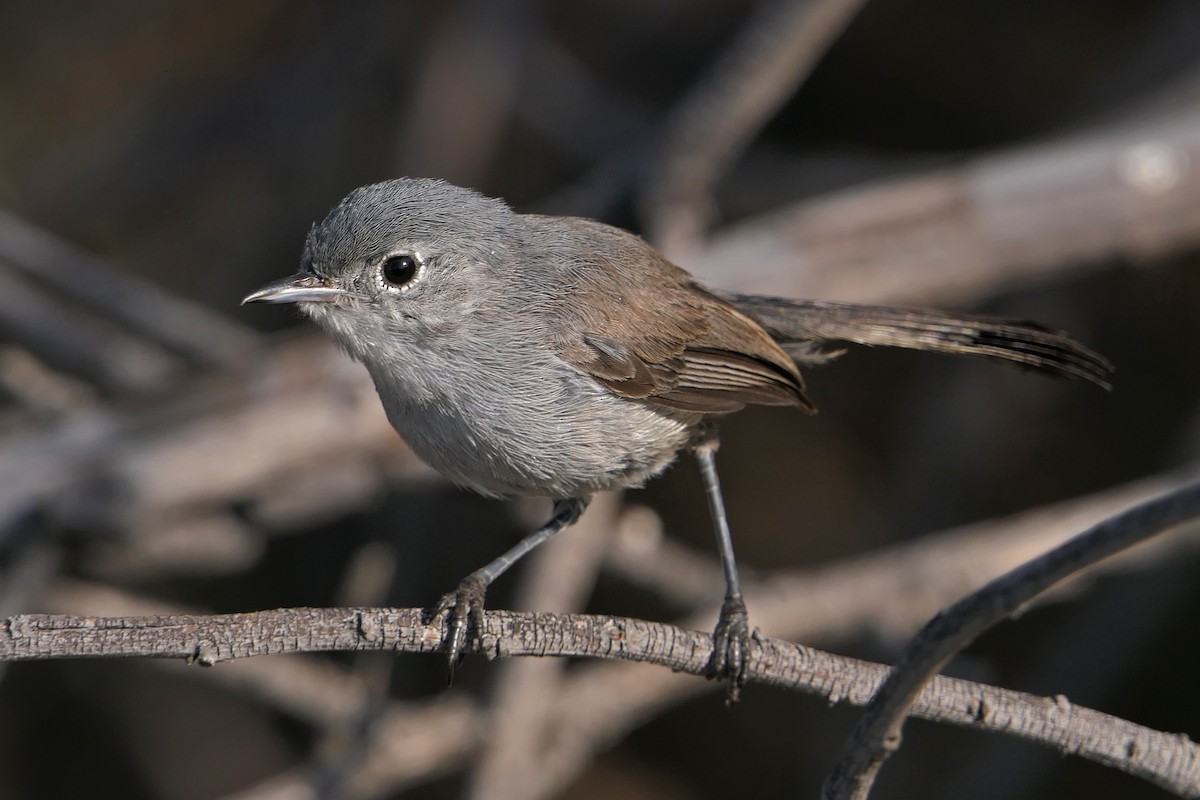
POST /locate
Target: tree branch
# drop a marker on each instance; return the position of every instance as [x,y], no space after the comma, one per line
[769,58]
[884,594]
[1168,760]
[1129,191]
[878,733]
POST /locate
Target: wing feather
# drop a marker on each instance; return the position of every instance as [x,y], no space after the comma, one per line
[645,330]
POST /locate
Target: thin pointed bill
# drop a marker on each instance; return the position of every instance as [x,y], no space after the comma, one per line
[303,287]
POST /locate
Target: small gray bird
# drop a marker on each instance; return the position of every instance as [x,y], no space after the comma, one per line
[521,354]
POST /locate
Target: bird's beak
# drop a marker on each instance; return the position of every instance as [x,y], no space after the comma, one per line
[303,287]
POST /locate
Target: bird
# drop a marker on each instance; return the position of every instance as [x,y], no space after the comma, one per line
[556,356]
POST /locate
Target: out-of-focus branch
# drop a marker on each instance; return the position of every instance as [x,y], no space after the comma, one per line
[227,439]
[475,54]
[1131,192]
[886,594]
[78,343]
[767,61]
[410,743]
[179,326]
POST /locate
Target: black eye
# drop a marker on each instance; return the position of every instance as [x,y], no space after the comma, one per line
[399,270]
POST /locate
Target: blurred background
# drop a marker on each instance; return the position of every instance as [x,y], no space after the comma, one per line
[164,449]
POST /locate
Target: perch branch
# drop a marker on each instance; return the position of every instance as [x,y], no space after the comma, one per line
[1167,760]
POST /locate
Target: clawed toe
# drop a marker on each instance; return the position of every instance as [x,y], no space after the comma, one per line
[464,618]
[731,644]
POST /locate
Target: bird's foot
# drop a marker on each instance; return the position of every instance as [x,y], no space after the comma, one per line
[464,617]
[731,645]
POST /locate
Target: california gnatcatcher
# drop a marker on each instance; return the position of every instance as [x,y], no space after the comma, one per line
[521,354]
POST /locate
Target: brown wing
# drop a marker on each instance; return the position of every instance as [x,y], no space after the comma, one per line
[647,331]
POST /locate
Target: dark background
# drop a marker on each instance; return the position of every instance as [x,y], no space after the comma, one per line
[193,144]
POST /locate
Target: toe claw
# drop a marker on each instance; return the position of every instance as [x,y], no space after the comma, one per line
[464,620]
[731,644]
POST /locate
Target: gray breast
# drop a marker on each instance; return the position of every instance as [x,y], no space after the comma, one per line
[528,426]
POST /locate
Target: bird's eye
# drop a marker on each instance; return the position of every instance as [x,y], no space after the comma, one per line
[400,270]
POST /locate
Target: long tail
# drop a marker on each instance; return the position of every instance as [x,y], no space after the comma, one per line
[798,324]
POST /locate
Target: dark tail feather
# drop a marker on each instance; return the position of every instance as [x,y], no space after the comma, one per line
[799,323]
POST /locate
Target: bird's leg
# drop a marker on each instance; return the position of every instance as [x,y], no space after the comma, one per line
[731,637]
[465,603]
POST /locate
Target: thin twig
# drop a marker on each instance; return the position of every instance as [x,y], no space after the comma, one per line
[769,58]
[878,733]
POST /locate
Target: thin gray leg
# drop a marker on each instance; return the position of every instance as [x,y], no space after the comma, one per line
[705,451]
[465,603]
[732,635]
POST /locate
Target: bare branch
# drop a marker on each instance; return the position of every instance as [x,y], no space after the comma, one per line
[878,733]
[768,60]
[887,594]
[306,410]
[179,326]
[1131,191]
[1167,760]
[78,343]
